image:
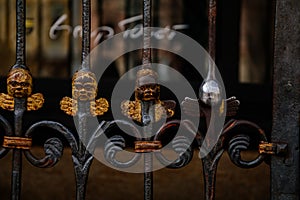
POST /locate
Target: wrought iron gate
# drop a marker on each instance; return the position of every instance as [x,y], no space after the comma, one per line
[146,108]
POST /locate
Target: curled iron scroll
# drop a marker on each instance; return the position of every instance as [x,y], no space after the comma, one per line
[117,144]
[181,144]
[53,147]
[241,142]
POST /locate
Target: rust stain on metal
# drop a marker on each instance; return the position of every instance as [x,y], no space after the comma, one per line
[147,146]
[17,142]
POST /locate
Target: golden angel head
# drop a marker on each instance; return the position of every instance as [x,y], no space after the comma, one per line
[19,83]
[84,86]
[147,88]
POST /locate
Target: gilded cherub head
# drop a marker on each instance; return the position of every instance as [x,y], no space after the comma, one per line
[19,83]
[147,88]
[84,86]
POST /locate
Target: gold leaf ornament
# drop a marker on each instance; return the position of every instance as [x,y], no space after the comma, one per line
[84,89]
[19,85]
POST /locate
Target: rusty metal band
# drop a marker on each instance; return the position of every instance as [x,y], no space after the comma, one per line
[273,148]
[17,142]
[147,146]
[266,148]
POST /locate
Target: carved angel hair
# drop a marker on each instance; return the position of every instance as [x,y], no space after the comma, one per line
[19,85]
[84,88]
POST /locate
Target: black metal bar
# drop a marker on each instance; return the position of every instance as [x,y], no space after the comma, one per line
[19,104]
[147,32]
[146,56]
[83,159]
[20,107]
[286,100]
[212,14]
[209,173]
[148,157]
[210,81]
[148,177]
[20,35]
[86,33]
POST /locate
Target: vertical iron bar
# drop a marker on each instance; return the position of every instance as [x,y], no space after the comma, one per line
[75,47]
[147,109]
[83,162]
[86,33]
[148,177]
[146,56]
[209,173]
[285,180]
[19,109]
[210,167]
[20,103]
[147,32]
[212,15]
[20,35]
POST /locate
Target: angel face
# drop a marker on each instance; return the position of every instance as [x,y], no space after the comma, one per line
[84,86]
[147,89]
[19,83]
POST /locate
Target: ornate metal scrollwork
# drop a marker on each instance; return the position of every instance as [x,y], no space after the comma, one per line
[53,147]
[235,143]
[145,109]
[241,142]
[117,143]
[181,143]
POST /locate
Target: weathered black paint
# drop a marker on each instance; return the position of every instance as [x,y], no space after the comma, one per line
[286,100]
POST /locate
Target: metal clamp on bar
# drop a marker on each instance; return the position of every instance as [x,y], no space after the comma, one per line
[272,148]
[147,146]
[17,142]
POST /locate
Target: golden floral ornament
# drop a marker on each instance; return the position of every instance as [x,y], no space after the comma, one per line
[84,89]
[19,85]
